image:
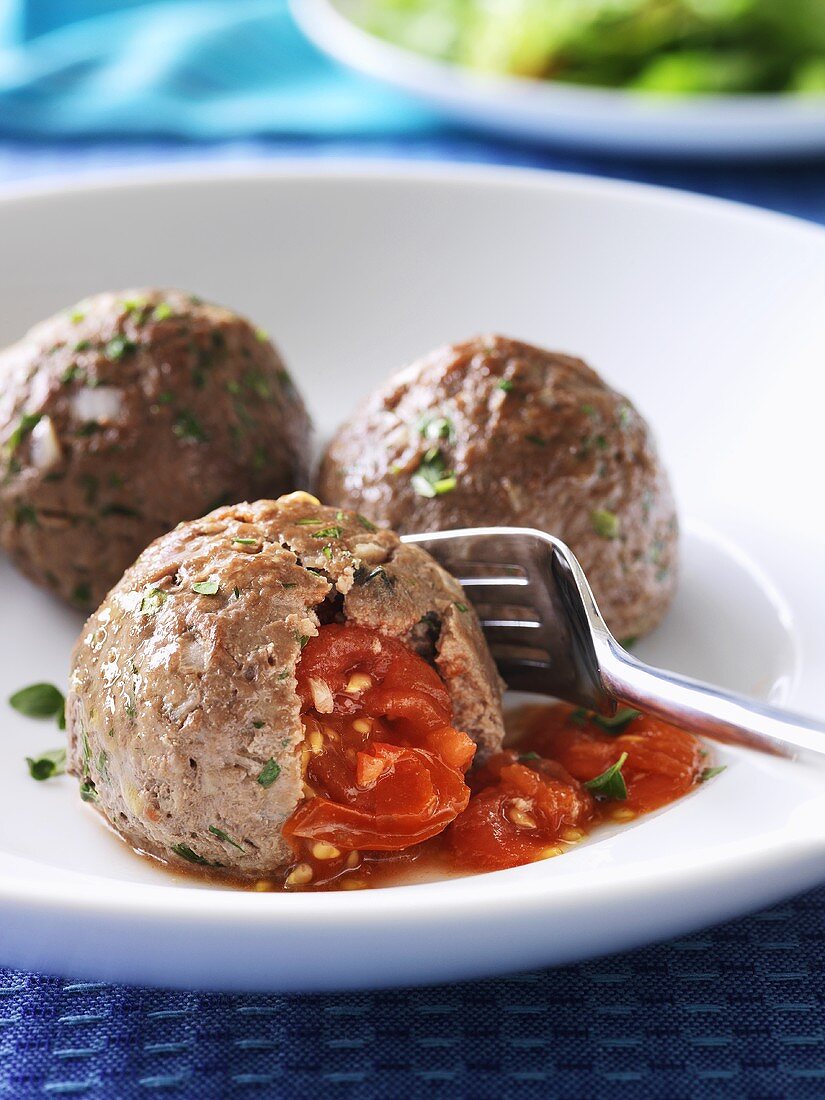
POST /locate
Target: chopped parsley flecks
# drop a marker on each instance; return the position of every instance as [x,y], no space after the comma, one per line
[188,427]
[76,316]
[261,335]
[328,533]
[70,374]
[302,639]
[82,345]
[624,416]
[24,513]
[327,552]
[40,701]
[610,784]
[269,773]
[162,312]
[462,607]
[24,426]
[432,478]
[619,722]
[258,724]
[367,524]
[436,427]
[166,397]
[89,428]
[225,837]
[247,542]
[88,791]
[206,588]
[185,852]
[118,347]
[589,410]
[528,757]
[504,384]
[605,523]
[709,773]
[153,601]
[82,594]
[47,765]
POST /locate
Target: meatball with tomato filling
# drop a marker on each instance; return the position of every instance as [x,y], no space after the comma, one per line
[495,431]
[278,687]
[128,413]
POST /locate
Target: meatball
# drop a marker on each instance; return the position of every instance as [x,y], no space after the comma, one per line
[193,724]
[494,431]
[127,414]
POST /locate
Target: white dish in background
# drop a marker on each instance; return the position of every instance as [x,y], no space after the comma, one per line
[608,119]
[709,315]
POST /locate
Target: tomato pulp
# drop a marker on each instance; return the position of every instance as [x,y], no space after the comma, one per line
[384,767]
[387,788]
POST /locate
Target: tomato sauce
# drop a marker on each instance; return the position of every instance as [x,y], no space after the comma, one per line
[391,794]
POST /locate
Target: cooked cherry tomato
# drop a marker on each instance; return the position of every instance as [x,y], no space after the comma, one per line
[519,812]
[386,767]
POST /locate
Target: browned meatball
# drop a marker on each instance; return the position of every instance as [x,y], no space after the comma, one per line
[184,721]
[495,431]
[127,414]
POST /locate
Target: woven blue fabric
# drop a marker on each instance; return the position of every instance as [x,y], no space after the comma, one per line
[734,1012]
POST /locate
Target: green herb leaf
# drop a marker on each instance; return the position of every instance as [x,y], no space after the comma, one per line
[261,335]
[153,601]
[246,542]
[225,837]
[188,427]
[308,522]
[328,533]
[619,722]
[504,384]
[462,607]
[76,316]
[432,478]
[436,427]
[47,765]
[365,523]
[24,426]
[162,312]
[206,588]
[88,792]
[605,523]
[709,773]
[39,701]
[118,347]
[269,773]
[610,784]
[185,852]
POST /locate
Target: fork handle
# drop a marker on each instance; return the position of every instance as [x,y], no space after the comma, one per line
[701,708]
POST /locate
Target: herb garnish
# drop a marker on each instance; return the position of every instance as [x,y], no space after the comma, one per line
[187,427]
[269,773]
[436,427]
[328,533]
[432,478]
[221,835]
[185,852]
[504,384]
[47,765]
[709,773]
[117,347]
[605,523]
[462,607]
[76,316]
[26,423]
[153,601]
[610,784]
[619,722]
[162,312]
[246,542]
[528,757]
[40,701]
[206,588]
[88,792]
[365,523]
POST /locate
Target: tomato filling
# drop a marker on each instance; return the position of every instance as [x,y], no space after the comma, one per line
[384,767]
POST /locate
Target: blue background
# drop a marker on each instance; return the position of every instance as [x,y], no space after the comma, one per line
[736,1011]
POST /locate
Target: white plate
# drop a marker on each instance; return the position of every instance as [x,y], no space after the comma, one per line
[613,120]
[708,314]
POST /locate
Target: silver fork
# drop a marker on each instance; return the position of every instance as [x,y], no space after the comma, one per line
[547,635]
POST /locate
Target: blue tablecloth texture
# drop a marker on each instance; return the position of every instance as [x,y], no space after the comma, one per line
[737,1011]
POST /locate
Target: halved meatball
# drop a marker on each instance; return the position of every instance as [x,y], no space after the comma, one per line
[276,657]
[494,431]
[127,414]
